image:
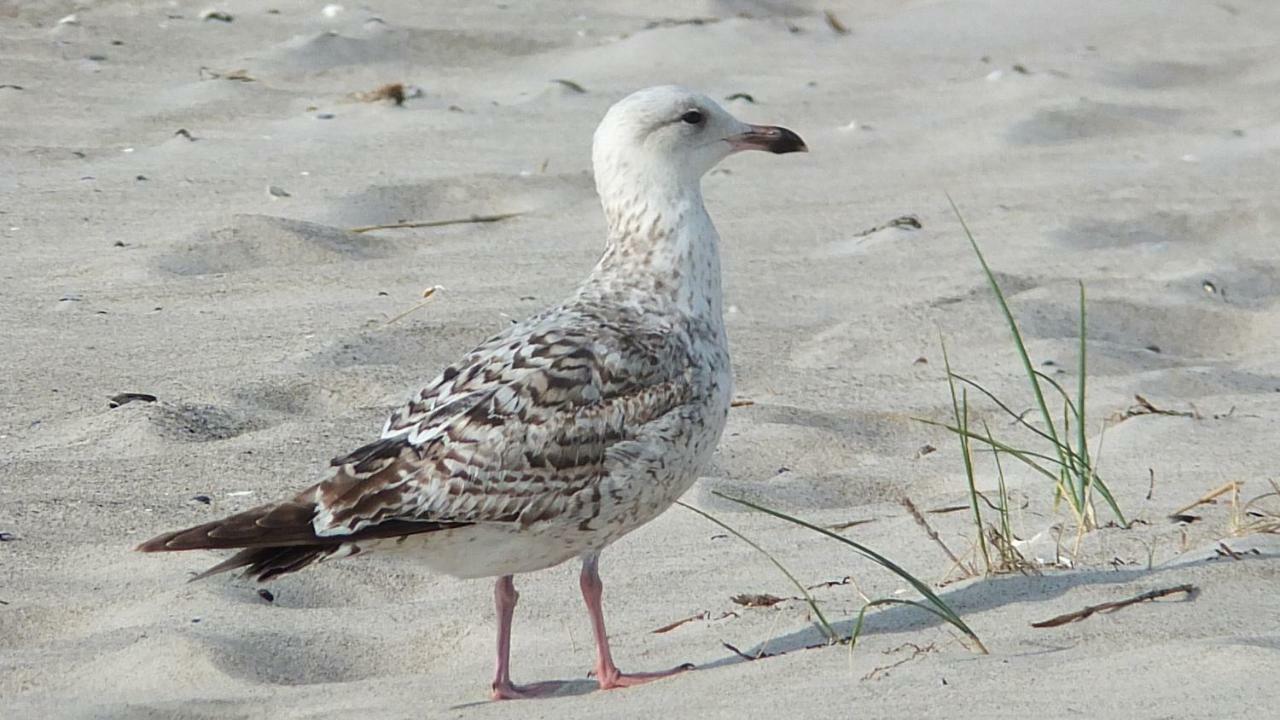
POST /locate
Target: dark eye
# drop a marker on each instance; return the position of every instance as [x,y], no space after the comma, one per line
[693,117]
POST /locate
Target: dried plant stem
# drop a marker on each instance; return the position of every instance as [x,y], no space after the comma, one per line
[928,530]
[1083,613]
[1209,497]
[437,223]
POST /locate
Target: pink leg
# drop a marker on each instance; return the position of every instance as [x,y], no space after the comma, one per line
[606,672]
[505,597]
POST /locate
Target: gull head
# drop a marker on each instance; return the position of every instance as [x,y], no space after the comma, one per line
[664,139]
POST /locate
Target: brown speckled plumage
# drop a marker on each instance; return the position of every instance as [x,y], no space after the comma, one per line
[562,433]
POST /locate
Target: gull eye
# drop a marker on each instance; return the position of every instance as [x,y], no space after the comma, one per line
[693,117]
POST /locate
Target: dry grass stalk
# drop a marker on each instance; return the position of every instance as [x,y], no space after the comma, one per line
[1208,497]
[1107,607]
[933,534]
[437,223]
[1259,515]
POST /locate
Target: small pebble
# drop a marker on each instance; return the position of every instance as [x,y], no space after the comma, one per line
[324,116]
[203,499]
[265,594]
[277,191]
[219,15]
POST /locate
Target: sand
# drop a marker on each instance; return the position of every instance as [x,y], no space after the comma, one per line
[1130,146]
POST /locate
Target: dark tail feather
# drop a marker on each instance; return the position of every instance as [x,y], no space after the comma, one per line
[275,525]
[264,563]
[278,538]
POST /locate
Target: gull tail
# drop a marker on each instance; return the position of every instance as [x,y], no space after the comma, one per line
[264,563]
[278,538]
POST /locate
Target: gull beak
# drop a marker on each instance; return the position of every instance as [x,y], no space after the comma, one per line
[777,140]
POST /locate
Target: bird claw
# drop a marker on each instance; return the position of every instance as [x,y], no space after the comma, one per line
[510,691]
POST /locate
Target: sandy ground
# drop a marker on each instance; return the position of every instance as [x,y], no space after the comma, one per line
[1132,146]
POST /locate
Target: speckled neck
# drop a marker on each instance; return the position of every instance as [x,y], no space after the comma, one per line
[663,245]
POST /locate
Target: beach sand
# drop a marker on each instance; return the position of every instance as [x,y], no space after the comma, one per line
[176,196]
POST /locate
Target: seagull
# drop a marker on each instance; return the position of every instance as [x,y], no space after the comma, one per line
[564,432]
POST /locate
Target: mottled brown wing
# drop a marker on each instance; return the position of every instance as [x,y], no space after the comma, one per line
[519,433]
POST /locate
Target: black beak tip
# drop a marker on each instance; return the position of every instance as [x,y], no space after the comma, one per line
[787,142]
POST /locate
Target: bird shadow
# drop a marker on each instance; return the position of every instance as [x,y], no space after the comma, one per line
[978,596]
[565,688]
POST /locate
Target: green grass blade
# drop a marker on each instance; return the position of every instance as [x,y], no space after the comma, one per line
[1082,445]
[1005,526]
[827,630]
[943,610]
[862,614]
[961,412]
[1018,418]
[1022,455]
[1013,328]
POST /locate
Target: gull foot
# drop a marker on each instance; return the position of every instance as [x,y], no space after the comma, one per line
[510,691]
[610,680]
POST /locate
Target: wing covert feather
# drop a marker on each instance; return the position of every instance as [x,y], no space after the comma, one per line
[519,432]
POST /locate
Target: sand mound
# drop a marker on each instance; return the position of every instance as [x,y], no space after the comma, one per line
[254,241]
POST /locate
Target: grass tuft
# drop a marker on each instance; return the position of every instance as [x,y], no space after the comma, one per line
[1067,461]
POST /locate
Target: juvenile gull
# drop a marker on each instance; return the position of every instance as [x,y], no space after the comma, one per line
[564,432]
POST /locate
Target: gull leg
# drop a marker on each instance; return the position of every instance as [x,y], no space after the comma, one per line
[607,674]
[505,597]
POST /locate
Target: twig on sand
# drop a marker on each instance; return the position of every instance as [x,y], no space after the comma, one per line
[438,223]
[1146,407]
[757,600]
[933,534]
[906,221]
[1187,588]
[672,626]
[677,22]
[852,523]
[1206,498]
[426,298]
[575,87]
[741,654]
[916,651]
[831,583]
[834,23]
